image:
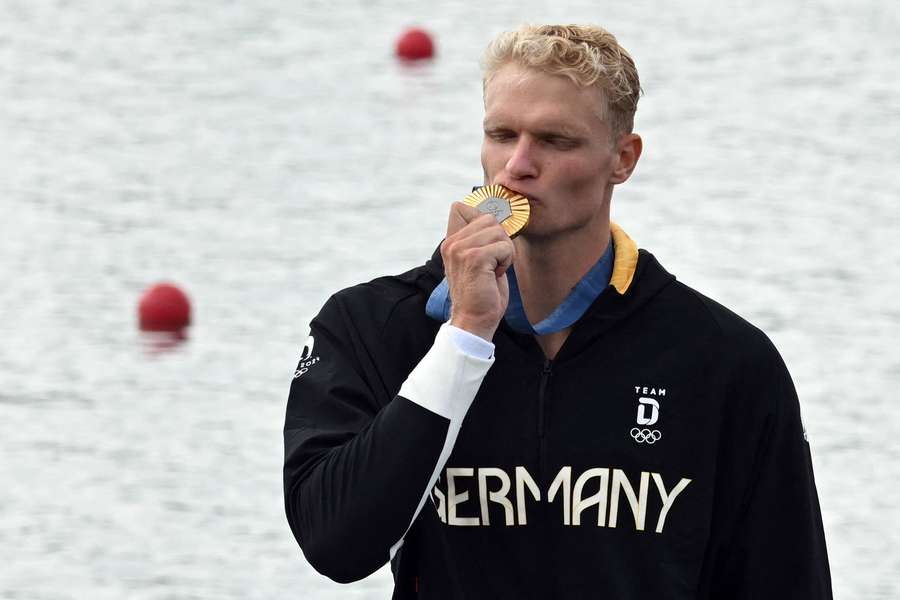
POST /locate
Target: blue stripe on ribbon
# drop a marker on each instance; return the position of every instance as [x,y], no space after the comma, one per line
[438,305]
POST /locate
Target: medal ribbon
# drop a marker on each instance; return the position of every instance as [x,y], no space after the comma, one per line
[572,308]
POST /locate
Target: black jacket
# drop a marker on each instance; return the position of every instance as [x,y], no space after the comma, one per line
[660,455]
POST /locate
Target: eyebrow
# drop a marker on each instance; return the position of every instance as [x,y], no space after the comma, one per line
[549,128]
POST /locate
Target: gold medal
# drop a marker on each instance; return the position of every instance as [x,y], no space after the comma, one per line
[511,209]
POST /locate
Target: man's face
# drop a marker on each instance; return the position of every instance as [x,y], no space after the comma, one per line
[544,138]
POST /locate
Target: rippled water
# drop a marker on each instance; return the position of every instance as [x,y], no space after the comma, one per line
[257,152]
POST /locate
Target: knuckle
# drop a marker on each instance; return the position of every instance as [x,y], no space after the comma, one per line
[456,251]
[449,249]
[470,254]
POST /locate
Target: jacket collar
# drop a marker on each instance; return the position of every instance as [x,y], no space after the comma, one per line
[626,259]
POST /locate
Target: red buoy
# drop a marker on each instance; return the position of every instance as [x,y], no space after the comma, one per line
[164,307]
[415,44]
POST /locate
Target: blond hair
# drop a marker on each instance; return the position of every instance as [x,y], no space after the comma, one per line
[586,54]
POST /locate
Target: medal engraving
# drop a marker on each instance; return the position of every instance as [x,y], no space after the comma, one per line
[498,207]
[511,209]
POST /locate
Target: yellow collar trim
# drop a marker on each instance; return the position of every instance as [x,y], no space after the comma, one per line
[626,259]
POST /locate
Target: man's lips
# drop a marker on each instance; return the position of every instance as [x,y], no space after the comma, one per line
[531,197]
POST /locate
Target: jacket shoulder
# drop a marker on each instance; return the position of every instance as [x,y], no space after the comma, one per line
[731,330]
[376,303]
[735,358]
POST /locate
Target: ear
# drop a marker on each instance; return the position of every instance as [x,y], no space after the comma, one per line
[628,151]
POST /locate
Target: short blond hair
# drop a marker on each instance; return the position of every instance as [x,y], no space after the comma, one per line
[586,54]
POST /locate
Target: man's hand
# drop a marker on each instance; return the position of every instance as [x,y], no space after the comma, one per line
[476,254]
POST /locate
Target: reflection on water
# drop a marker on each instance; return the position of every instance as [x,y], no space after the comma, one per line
[158,342]
[266,154]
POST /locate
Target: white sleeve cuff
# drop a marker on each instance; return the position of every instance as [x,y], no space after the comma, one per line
[447,378]
[471,344]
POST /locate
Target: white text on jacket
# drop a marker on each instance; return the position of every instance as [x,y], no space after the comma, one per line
[605,485]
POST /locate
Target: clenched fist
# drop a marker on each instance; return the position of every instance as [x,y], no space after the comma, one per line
[476,254]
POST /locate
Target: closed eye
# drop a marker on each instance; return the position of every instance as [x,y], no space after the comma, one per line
[560,142]
[499,135]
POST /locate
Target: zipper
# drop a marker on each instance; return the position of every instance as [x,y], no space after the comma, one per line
[542,390]
[544,585]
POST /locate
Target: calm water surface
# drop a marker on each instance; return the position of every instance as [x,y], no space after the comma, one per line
[264,154]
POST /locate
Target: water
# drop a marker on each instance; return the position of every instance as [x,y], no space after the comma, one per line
[256,152]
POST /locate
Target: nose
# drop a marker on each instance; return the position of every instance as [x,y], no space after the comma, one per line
[521,162]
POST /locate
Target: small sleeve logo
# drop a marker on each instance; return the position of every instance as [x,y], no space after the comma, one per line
[307,359]
[308,348]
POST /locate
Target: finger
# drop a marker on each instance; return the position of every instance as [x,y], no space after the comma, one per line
[478,233]
[494,256]
[460,216]
[503,286]
[481,231]
[507,260]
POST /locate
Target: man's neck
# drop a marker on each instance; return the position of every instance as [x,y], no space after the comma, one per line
[547,269]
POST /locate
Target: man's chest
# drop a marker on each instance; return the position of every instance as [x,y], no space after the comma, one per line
[610,439]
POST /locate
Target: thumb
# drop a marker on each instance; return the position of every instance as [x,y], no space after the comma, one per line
[503,287]
[460,216]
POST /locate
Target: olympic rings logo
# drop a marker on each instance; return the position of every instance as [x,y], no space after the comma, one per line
[646,435]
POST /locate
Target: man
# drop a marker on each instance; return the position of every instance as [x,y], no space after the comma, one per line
[584,425]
